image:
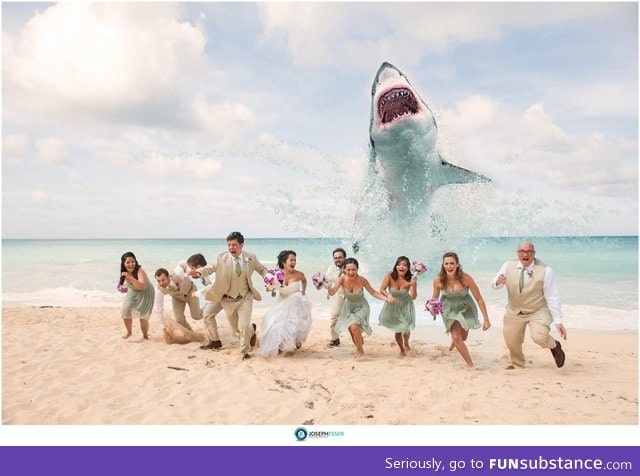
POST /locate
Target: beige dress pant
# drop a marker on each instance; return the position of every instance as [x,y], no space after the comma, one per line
[514,326]
[179,307]
[336,309]
[211,309]
[239,315]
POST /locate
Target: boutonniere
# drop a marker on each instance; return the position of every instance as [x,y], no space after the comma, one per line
[529,273]
[248,259]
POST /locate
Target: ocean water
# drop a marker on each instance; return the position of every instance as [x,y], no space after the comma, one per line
[597,276]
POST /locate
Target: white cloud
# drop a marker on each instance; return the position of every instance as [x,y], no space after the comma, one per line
[528,146]
[309,30]
[14,145]
[188,167]
[222,123]
[319,34]
[101,58]
[247,181]
[599,99]
[51,150]
[539,129]
[41,198]
[473,113]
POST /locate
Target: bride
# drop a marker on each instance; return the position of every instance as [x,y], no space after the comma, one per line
[287,324]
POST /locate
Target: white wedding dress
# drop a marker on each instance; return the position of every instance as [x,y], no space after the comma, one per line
[286,325]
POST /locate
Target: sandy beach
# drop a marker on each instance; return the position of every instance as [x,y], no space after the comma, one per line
[66,366]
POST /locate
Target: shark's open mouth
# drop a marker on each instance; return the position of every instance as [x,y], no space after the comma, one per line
[395,103]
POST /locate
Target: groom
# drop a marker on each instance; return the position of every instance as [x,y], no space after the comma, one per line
[234,290]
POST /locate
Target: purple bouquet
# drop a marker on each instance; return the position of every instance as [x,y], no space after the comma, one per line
[319,280]
[274,276]
[434,306]
[418,268]
[122,288]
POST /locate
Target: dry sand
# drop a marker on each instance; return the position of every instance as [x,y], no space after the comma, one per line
[70,366]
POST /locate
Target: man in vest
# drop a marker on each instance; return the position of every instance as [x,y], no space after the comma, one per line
[533,301]
[182,292]
[334,272]
[233,289]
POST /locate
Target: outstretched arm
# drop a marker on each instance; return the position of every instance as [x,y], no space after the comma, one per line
[468,281]
[389,298]
[203,272]
[334,289]
[413,288]
[303,278]
[384,285]
[259,267]
[436,289]
[139,283]
[500,278]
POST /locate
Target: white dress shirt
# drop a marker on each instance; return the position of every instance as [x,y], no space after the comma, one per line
[549,288]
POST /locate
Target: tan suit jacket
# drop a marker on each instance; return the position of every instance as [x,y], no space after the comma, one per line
[182,292]
[224,267]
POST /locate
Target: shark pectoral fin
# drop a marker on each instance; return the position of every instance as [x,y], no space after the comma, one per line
[457,174]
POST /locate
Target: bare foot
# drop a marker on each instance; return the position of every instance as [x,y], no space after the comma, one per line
[451,346]
[126,336]
[167,336]
[406,346]
[403,353]
[359,353]
[145,337]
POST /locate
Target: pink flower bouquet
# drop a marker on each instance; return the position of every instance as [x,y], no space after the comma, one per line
[122,288]
[418,268]
[273,278]
[319,280]
[434,306]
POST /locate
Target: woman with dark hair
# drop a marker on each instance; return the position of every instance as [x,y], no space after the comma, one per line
[139,297]
[401,316]
[286,325]
[454,287]
[355,312]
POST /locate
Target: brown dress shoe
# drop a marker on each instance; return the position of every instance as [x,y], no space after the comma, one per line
[334,343]
[254,337]
[214,344]
[558,354]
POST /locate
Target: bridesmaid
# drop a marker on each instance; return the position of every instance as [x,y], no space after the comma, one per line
[355,312]
[139,296]
[401,316]
[459,313]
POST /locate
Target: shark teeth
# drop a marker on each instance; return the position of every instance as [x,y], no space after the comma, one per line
[395,103]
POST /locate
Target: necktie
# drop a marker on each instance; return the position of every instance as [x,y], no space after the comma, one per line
[238,270]
[521,284]
[341,272]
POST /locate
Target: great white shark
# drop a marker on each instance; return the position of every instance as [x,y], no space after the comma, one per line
[405,166]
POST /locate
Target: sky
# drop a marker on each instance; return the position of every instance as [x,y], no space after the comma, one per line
[189,120]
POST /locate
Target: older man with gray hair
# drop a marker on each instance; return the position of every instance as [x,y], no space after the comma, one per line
[533,301]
